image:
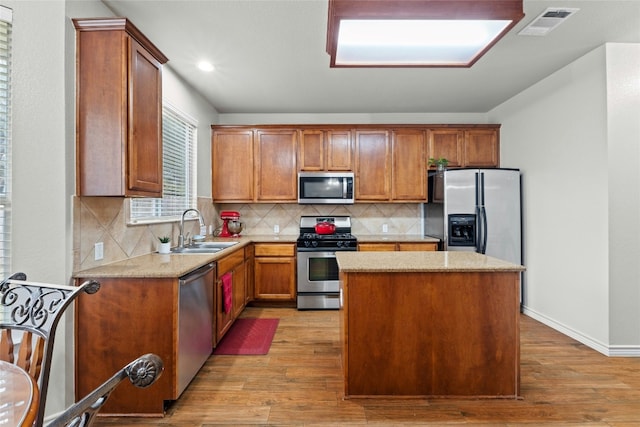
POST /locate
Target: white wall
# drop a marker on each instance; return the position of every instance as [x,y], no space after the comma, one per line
[560,133]
[623,135]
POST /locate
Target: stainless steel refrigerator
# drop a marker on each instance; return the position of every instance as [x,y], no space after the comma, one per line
[476,210]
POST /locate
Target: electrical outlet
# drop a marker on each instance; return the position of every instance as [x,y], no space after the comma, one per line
[276,229]
[99,251]
[385,228]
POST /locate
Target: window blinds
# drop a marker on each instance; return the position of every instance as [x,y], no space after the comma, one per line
[5,141]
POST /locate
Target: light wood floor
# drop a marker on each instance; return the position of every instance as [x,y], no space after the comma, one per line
[299,382]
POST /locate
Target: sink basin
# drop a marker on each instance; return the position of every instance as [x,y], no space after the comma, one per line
[213,245]
[195,250]
[203,248]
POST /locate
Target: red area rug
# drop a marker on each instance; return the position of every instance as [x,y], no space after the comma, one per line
[248,336]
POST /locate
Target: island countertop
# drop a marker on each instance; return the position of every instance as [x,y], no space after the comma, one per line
[441,261]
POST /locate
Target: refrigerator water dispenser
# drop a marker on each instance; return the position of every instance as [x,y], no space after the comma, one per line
[462,230]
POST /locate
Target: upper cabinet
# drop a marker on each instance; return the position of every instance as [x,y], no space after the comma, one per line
[409,163]
[466,146]
[232,160]
[373,165]
[260,163]
[119,110]
[253,165]
[276,175]
[325,150]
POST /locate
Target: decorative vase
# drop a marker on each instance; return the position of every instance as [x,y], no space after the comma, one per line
[164,248]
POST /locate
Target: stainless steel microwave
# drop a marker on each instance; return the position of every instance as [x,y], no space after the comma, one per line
[325,187]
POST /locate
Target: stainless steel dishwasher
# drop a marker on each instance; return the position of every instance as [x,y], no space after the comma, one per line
[195,323]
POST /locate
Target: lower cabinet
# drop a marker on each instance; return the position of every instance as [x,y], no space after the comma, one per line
[126,318]
[398,246]
[230,292]
[275,272]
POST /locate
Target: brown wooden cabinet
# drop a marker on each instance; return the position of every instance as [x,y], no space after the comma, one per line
[119,110]
[232,165]
[127,318]
[325,150]
[233,264]
[373,165]
[409,165]
[397,246]
[481,148]
[275,272]
[250,276]
[276,173]
[466,147]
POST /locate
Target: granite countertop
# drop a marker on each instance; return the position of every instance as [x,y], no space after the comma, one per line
[175,265]
[375,238]
[403,262]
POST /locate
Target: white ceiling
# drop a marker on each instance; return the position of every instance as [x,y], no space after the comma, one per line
[270,57]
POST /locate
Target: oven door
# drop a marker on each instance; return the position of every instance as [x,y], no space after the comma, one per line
[317,271]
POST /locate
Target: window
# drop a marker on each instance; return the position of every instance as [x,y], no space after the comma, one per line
[178,171]
[5,141]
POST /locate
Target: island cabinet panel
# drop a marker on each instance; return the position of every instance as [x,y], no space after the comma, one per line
[232,165]
[442,334]
[373,165]
[124,320]
[276,176]
[119,110]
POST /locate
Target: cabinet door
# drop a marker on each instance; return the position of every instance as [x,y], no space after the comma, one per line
[239,289]
[232,165]
[409,167]
[249,273]
[145,122]
[276,175]
[224,319]
[446,143]
[311,150]
[339,149]
[275,278]
[373,172]
[481,148]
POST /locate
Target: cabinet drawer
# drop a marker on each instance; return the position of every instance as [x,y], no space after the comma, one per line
[230,261]
[275,249]
[376,246]
[418,246]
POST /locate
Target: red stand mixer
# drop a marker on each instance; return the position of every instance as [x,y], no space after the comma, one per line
[231,227]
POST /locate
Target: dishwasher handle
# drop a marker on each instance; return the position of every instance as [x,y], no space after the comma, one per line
[196,274]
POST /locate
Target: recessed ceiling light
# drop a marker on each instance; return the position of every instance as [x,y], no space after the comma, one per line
[416,33]
[205,66]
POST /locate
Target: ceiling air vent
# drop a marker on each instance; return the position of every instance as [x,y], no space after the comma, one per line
[547,21]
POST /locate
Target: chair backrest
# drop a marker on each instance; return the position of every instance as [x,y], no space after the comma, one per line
[142,372]
[29,315]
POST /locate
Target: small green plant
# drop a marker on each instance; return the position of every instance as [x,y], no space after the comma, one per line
[164,239]
[438,162]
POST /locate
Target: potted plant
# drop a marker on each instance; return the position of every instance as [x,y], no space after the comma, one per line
[440,163]
[165,245]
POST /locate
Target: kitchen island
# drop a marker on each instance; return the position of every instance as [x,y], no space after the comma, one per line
[419,324]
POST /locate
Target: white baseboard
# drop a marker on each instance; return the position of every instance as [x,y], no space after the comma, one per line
[607,350]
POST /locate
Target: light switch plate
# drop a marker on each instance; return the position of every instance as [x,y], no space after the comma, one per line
[385,228]
[99,251]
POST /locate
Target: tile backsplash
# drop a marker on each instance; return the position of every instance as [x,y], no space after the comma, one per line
[103,219]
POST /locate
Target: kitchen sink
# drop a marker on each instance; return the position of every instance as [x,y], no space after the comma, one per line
[203,248]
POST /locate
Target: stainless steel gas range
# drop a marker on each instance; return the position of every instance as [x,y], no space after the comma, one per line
[318,283]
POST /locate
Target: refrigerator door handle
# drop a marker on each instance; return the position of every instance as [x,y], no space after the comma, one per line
[483,217]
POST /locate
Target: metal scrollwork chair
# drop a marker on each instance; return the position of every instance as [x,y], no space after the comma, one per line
[142,372]
[29,315]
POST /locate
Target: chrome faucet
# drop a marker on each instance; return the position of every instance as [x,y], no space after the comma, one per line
[181,236]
